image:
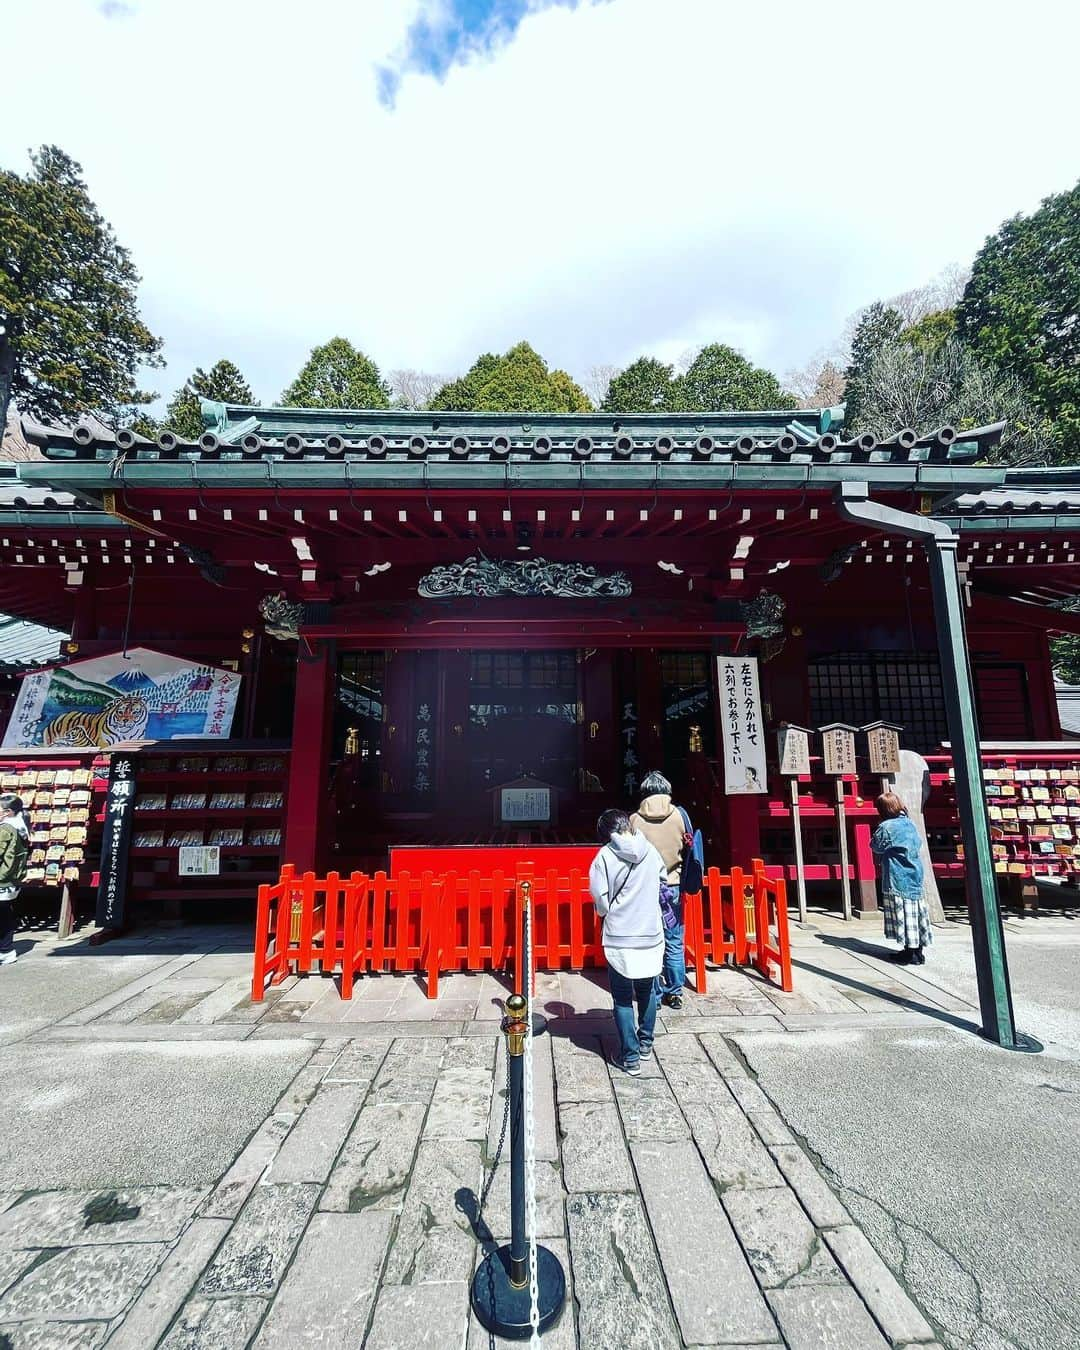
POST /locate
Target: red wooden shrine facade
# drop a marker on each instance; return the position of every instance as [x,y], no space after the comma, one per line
[402,691]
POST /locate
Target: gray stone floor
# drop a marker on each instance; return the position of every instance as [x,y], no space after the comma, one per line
[183,1168]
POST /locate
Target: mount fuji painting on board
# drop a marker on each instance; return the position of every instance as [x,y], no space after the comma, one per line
[135,695]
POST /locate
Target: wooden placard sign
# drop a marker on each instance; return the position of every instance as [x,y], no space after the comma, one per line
[883,746]
[838,745]
[794,749]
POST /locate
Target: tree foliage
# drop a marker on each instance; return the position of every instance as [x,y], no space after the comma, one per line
[71,339]
[1020,309]
[818,384]
[720,379]
[878,326]
[646,385]
[222,383]
[337,375]
[1065,650]
[926,387]
[517,381]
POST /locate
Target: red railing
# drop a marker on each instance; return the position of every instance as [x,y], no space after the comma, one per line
[445,922]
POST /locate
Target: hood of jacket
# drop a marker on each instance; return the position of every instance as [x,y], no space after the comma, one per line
[656,809]
[629,848]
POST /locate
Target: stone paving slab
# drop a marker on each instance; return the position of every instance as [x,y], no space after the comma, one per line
[254,1256]
[12,1265]
[594,1152]
[460,1105]
[892,1308]
[733,1153]
[434,1241]
[53,1335]
[373,1168]
[780,1242]
[420,1316]
[621,1295]
[830,1317]
[713,1290]
[157,1305]
[99,1218]
[811,1188]
[82,1284]
[327,1295]
[250,1166]
[215,1324]
[308,1152]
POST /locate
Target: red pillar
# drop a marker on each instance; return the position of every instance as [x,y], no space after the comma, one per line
[310,760]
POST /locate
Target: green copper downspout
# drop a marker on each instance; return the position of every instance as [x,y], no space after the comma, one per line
[980,879]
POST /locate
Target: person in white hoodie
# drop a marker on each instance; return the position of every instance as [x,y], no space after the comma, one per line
[14,850]
[625,884]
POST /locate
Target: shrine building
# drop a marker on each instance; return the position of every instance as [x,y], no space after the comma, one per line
[472,629]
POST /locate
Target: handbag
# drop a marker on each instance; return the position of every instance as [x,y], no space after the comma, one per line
[692,875]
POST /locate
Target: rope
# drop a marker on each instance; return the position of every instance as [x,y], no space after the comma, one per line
[530,1138]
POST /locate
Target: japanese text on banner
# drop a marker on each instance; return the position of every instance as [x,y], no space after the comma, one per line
[741,720]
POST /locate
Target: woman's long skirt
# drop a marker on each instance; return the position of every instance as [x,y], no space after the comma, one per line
[907,920]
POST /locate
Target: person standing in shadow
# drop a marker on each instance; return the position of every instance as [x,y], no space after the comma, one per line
[624,880]
[667,827]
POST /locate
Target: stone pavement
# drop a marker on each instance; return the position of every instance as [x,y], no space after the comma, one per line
[330,1198]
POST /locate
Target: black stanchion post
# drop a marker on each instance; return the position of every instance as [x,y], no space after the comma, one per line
[500,1289]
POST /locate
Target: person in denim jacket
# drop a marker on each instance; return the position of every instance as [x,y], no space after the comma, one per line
[897,845]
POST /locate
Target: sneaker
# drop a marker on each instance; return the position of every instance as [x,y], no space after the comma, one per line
[646,1051]
[633,1069]
[673,1001]
[7,958]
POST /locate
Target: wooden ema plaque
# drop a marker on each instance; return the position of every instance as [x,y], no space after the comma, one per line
[883,746]
[838,745]
[794,744]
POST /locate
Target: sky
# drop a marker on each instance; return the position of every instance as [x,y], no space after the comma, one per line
[604,178]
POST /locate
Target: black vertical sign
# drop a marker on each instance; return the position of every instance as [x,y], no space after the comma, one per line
[115,842]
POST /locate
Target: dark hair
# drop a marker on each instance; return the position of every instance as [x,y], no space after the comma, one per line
[654,781]
[9,802]
[612,822]
[889,806]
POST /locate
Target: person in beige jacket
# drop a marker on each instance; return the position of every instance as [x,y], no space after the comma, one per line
[667,828]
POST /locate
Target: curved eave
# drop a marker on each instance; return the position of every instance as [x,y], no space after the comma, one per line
[344,476]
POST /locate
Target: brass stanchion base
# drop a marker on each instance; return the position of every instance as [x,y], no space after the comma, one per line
[504,1310]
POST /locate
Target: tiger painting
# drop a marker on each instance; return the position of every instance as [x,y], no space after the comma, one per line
[124,719]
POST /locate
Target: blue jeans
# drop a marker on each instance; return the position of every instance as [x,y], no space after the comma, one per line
[672,978]
[633,1036]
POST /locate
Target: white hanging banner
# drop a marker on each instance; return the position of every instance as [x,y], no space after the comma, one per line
[744,733]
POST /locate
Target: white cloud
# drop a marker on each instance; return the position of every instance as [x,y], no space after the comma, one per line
[620,178]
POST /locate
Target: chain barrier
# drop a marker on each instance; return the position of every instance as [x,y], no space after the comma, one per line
[530,1134]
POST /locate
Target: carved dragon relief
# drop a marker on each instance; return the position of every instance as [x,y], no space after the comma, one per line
[489,577]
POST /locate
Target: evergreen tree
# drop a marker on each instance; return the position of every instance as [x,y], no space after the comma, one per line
[878,327]
[646,385]
[71,339]
[1021,306]
[720,379]
[517,381]
[337,375]
[222,383]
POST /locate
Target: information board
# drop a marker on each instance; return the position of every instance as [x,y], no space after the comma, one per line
[199,860]
[115,842]
[521,806]
[838,746]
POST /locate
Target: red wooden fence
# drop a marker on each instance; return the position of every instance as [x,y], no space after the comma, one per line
[437,922]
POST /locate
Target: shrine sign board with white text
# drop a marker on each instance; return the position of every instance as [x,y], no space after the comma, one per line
[741,722]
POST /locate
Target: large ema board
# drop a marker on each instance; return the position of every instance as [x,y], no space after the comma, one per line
[125,696]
